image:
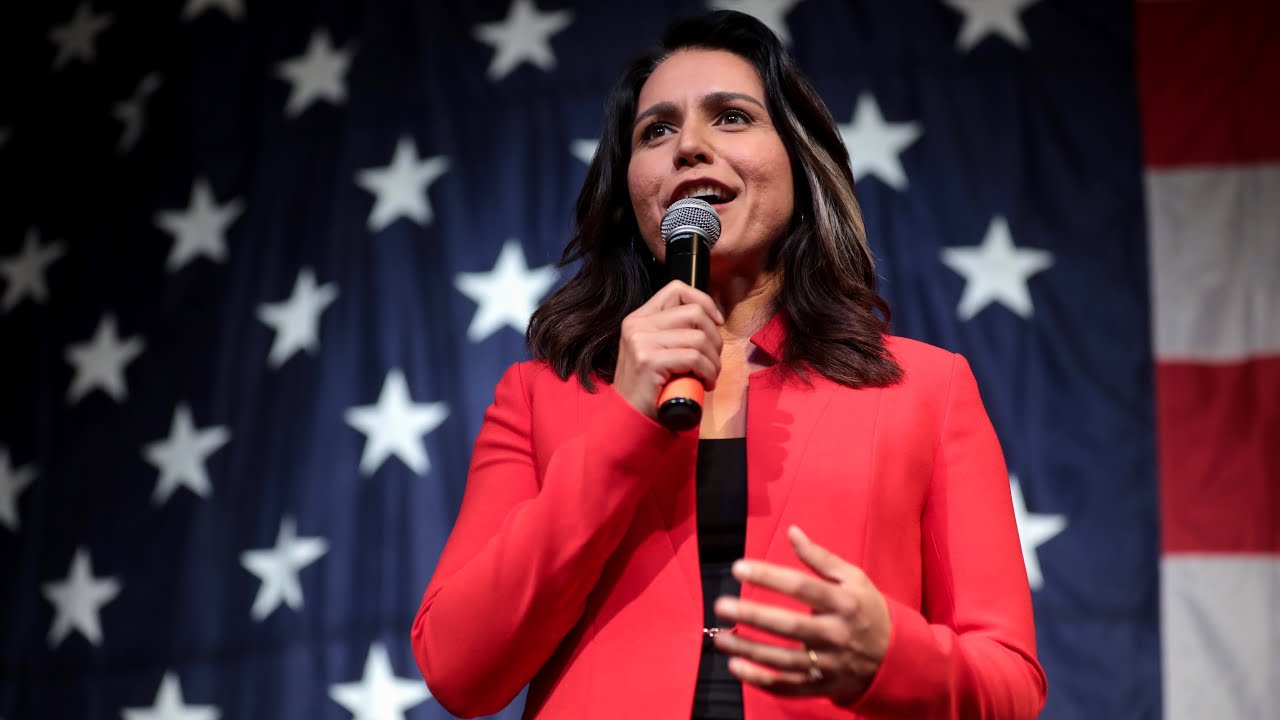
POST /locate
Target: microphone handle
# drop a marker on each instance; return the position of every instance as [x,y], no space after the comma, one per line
[688,259]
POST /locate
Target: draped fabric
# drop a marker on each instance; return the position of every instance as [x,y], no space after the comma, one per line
[261,264]
[1212,155]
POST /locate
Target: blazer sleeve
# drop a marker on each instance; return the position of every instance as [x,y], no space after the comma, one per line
[972,652]
[526,551]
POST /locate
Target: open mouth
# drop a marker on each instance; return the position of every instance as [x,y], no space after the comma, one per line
[711,194]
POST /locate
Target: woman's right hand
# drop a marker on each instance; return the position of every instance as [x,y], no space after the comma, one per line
[675,333]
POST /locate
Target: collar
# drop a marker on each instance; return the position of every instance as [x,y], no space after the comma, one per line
[771,337]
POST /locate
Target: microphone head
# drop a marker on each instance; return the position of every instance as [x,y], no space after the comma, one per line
[691,215]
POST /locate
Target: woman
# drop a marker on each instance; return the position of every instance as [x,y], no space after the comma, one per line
[592,556]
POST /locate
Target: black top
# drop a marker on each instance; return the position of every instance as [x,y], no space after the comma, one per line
[722,533]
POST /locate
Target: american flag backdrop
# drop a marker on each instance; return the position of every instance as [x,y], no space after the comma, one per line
[262,262]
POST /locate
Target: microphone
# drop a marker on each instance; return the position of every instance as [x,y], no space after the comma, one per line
[690,227]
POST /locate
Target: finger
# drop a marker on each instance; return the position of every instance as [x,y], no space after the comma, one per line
[824,562]
[664,354]
[677,292]
[814,592]
[805,627]
[683,316]
[788,684]
[686,338]
[778,658]
[678,361]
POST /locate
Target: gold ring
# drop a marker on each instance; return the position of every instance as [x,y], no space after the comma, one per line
[815,673]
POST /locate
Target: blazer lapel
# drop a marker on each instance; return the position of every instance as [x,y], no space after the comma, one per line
[677,506]
[781,419]
[782,416]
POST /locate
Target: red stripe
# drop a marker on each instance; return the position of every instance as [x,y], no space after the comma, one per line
[1209,81]
[1219,445]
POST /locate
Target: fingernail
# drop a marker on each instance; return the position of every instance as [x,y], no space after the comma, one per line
[797,534]
[742,569]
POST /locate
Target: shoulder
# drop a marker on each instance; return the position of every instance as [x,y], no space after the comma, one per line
[552,409]
[924,366]
[935,380]
[537,380]
[529,392]
[937,388]
[931,376]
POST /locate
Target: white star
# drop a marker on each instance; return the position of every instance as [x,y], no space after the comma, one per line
[296,321]
[233,8]
[506,295]
[76,38]
[181,456]
[875,146]
[130,112]
[201,228]
[278,568]
[770,12]
[12,483]
[990,17]
[24,272]
[1034,530]
[169,705]
[78,600]
[379,695]
[401,187]
[584,150]
[523,36]
[318,74]
[100,362]
[996,271]
[395,426]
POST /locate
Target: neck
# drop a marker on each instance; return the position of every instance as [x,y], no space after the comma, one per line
[747,302]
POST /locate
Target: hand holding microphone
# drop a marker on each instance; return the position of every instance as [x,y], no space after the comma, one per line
[670,346]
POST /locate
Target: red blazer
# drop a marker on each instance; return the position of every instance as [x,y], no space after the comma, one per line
[573,565]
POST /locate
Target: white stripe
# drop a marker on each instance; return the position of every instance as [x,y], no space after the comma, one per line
[1215,262]
[1220,628]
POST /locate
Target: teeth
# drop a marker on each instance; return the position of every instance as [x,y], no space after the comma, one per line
[703,192]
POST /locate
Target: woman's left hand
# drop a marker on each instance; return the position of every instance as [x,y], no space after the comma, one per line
[844,638]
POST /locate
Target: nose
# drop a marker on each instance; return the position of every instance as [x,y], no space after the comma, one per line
[693,147]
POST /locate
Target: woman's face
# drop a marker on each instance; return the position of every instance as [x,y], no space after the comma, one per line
[701,129]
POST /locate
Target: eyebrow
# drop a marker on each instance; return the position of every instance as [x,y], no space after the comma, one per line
[710,100]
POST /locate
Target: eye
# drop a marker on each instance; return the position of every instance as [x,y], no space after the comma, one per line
[654,130]
[733,116]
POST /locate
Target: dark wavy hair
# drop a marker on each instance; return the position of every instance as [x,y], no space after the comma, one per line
[835,320]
